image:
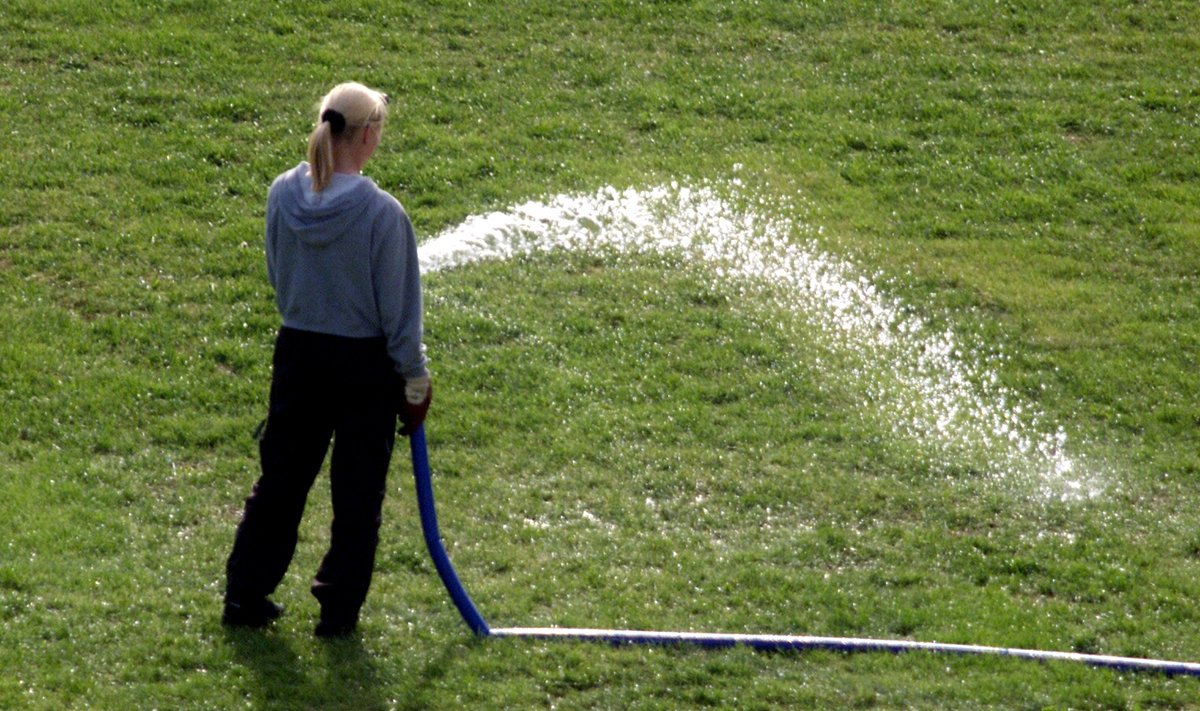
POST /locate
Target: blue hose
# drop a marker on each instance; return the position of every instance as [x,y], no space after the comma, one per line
[433,539]
[474,620]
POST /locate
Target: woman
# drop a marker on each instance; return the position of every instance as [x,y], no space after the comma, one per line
[342,259]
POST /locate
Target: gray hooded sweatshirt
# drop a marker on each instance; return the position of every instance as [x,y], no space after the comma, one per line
[344,262]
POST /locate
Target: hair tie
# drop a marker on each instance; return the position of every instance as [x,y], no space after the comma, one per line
[337,122]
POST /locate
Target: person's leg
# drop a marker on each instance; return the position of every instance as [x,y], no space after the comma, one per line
[292,449]
[266,537]
[362,451]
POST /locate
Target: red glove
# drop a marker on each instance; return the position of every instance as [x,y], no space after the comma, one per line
[418,393]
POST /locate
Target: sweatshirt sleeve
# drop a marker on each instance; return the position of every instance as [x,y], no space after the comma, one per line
[396,279]
[269,242]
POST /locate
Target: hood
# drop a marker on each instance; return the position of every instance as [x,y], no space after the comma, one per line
[322,218]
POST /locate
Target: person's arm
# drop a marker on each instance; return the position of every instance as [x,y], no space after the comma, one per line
[397,276]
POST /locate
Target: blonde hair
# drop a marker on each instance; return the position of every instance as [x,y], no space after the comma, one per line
[343,113]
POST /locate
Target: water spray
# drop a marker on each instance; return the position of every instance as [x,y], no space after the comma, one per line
[765,642]
[922,383]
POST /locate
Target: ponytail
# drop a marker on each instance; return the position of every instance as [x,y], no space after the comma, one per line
[320,156]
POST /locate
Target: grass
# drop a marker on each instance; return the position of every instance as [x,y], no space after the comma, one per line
[616,441]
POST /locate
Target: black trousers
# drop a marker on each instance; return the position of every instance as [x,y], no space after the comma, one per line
[323,388]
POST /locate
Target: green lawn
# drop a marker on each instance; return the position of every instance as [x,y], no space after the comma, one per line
[617,440]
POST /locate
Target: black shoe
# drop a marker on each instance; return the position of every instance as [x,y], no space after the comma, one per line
[258,613]
[333,627]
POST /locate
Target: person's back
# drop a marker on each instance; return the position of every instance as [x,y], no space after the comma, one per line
[342,261]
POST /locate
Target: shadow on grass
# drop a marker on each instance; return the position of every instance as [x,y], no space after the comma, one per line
[352,679]
[435,670]
[283,680]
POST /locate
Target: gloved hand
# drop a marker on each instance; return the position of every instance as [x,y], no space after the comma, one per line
[418,393]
